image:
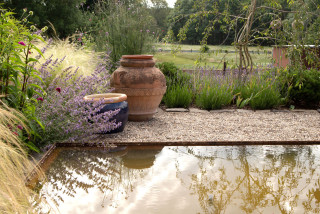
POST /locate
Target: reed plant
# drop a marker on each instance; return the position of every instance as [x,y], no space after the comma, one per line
[15,196]
[122,28]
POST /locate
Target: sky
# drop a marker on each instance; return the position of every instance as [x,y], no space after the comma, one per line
[171,3]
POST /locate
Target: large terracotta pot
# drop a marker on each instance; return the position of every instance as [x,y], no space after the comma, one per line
[143,84]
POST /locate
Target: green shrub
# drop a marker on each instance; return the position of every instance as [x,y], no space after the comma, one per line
[17,69]
[214,96]
[174,75]
[65,16]
[178,96]
[303,86]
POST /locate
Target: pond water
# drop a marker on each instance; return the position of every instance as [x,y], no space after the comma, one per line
[198,179]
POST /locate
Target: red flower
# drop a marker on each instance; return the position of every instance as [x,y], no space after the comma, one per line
[22,43]
[58,89]
[20,127]
[40,98]
[15,133]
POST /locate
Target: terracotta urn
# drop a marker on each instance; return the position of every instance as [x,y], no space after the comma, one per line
[112,101]
[142,82]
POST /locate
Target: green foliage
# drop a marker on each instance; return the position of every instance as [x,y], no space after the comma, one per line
[259,92]
[214,96]
[17,70]
[174,75]
[300,32]
[192,19]
[160,12]
[178,96]
[65,16]
[303,86]
[204,49]
[123,29]
[179,93]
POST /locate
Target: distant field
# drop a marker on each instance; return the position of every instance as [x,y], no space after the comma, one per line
[216,56]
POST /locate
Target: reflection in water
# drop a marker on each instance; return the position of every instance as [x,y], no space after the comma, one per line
[239,179]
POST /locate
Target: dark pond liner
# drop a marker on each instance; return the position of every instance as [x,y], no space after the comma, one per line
[49,156]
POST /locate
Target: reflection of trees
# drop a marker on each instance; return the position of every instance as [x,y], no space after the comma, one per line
[277,180]
[92,168]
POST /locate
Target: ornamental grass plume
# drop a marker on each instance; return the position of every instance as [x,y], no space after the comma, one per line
[64,113]
[15,196]
[83,58]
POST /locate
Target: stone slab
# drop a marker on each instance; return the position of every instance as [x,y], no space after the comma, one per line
[304,110]
[177,110]
[223,111]
[262,111]
[280,110]
[244,111]
[196,110]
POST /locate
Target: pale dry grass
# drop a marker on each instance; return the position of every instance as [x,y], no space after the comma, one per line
[76,56]
[15,196]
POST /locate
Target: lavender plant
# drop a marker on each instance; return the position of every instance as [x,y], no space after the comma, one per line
[178,96]
[215,90]
[64,113]
[260,91]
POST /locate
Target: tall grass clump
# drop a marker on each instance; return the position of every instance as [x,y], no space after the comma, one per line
[122,28]
[15,196]
[214,90]
[81,57]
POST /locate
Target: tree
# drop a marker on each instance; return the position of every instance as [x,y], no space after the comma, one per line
[65,16]
[160,11]
[250,21]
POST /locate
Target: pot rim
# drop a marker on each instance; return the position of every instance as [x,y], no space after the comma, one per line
[107,98]
[137,56]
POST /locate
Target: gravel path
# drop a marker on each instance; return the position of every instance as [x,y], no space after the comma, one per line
[221,125]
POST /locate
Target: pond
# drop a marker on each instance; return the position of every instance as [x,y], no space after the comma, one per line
[184,179]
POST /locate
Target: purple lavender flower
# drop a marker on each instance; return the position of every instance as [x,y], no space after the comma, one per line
[69,117]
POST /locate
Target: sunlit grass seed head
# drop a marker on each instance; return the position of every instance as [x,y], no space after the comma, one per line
[84,59]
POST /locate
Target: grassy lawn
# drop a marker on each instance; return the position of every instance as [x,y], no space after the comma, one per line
[216,56]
